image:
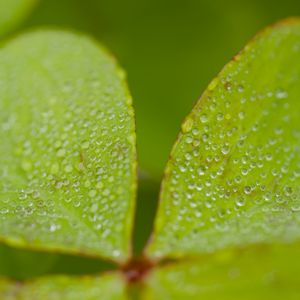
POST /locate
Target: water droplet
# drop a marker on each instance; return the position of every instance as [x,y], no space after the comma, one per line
[203,118]
[240,88]
[4,210]
[240,202]
[288,190]
[225,149]
[220,117]
[228,86]
[201,171]
[53,228]
[281,94]
[241,115]
[247,190]
[295,207]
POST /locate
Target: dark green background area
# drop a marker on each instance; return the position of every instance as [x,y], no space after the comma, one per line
[170,50]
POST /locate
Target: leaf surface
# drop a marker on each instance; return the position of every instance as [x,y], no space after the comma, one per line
[233,178]
[12,12]
[255,273]
[67,153]
[108,287]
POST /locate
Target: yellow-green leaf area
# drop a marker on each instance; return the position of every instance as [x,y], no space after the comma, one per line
[67,153]
[108,287]
[234,174]
[256,273]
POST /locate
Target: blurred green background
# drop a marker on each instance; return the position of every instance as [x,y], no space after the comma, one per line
[170,50]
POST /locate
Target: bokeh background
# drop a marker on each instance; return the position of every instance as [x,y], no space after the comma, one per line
[170,49]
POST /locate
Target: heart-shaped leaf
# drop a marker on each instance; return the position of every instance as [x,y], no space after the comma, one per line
[12,12]
[67,153]
[256,273]
[108,287]
[234,174]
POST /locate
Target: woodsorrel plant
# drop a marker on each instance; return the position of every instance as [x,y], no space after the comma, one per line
[228,222]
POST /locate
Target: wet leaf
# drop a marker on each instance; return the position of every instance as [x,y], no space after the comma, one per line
[13,12]
[234,173]
[109,286]
[255,273]
[67,153]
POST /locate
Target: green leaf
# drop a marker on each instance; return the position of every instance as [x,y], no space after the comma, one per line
[13,12]
[67,156]
[19,264]
[234,174]
[22,264]
[108,287]
[257,273]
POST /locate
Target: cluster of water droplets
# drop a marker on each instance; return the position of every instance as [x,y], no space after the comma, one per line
[67,160]
[234,174]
